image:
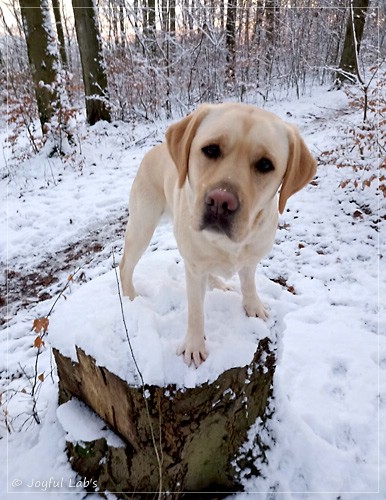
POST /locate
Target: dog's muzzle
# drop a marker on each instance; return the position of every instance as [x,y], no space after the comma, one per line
[220,207]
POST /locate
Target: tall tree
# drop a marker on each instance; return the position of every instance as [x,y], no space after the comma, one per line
[91,56]
[42,55]
[172,16]
[122,22]
[59,31]
[145,16]
[352,42]
[231,41]
[271,13]
[152,28]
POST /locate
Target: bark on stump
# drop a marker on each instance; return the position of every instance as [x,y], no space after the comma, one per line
[198,432]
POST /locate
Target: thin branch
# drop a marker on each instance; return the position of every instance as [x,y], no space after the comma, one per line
[159,453]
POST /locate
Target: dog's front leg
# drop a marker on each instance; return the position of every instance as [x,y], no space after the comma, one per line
[251,301]
[193,346]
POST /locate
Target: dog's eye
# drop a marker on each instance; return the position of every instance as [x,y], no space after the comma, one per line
[212,151]
[264,165]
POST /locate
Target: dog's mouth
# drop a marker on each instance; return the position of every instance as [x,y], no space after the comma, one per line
[217,224]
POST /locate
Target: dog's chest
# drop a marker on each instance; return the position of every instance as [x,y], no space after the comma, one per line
[219,257]
[226,264]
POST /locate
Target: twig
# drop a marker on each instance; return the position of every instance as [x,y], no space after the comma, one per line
[33,396]
[159,454]
[34,384]
[63,290]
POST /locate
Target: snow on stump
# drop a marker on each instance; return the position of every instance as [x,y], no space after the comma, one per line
[183,429]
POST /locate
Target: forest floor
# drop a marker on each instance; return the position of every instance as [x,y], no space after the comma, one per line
[323,283]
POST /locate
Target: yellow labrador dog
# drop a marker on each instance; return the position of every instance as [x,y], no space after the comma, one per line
[218,174]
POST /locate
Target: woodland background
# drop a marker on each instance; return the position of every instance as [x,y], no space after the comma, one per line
[155,59]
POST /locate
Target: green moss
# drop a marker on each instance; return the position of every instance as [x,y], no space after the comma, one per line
[207,455]
[85,450]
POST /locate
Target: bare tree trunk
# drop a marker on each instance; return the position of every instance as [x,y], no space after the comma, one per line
[231,42]
[114,22]
[90,49]
[271,13]
[42,56]
[59,31]
[256,40]
[122,23]
[164,16]
[352,42]
[187,14]
[152,26]
[171,32]
[136,21]
[68,30]
[172,17]
[222,14]
[145,17]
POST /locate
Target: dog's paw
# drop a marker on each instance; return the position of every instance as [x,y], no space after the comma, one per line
[132,294]
[194,350]
[129,291]
[256,310]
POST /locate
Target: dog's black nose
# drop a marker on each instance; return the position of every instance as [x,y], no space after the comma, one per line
[221,202]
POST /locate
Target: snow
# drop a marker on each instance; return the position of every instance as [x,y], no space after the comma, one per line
[82,425]
[158,319]
[327,434]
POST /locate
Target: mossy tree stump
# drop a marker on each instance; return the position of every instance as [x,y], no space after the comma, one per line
[177,439]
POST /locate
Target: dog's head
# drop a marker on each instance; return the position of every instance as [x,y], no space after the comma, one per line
[236,157]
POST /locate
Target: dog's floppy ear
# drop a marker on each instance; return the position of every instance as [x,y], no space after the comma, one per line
[301,167]
[179,137]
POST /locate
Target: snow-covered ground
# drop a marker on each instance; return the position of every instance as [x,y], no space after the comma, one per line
[322,282]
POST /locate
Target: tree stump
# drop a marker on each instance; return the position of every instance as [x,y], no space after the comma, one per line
[176,439]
